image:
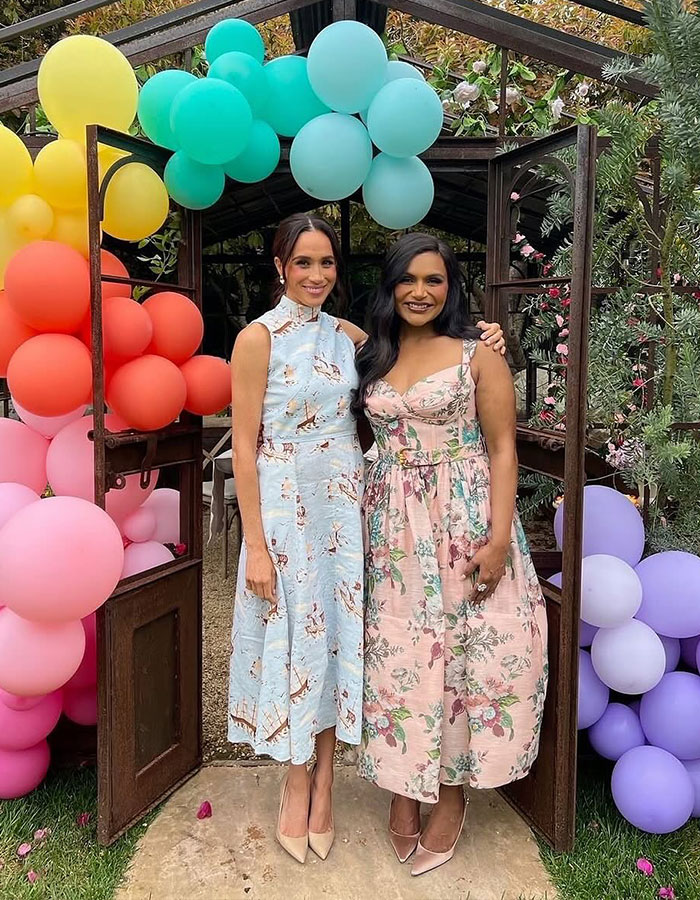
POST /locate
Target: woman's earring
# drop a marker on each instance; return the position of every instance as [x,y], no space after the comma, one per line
[281,279]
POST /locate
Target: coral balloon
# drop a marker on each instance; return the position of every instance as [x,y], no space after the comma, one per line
[112,265]
[208,381]
[139,526]
[126,329]
[143,556]
[14,497]
[136,203]
[20,730]
[48,426]
[86,674]
[15,165]
[60,174]
[13,333]
[178,326]
[80,704]
[21,771]
[148,393]
[38,657]
[22,455]
[43,549]
[70,227]
[165,503]
[31,217]
[48,286]
[51,374]
[84,80]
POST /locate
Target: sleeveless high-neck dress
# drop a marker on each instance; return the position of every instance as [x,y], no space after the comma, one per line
[454,692]
[296,665]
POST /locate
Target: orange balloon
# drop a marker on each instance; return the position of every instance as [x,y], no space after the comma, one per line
[126,329]
[48,286]
[112,265]
[13,332]
[148,393]
[178,326]
[208,380]
[50,374]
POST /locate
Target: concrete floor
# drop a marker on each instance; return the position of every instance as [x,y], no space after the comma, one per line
[234,855]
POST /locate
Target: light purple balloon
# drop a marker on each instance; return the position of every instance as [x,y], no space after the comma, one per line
[593,695]
[671,593]
[635,705]
[556,579]
[670,714]
[611,525]
[692,767]
[652,790]
[630,658]
[586,633]
[672,649]
[689,651]
[616,731]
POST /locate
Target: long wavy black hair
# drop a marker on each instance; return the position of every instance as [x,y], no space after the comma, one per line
[381,350]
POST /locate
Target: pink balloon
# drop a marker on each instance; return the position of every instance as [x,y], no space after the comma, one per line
[87,671]
[47,426]
[21,771]
[14,497]
[80,705]
[70,466]
[139,557]
[165,503]
[140,525]
[22,455]
[20,730]
[60,559]
[37,657]
[12,701]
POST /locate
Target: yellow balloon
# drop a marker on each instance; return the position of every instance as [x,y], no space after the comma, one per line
[106,157]
[16,175]
[60,174]
[9,243]
[31,217]
[71,228]
[136,203]
[84,80]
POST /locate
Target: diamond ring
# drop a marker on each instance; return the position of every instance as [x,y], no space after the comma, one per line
[482,587]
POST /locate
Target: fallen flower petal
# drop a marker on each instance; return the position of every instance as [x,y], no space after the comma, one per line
[41,834]
[82,819]
[32,877]
[645,867]
[667,893]
[204,811]
[24,850]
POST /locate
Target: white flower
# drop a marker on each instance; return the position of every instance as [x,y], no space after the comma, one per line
[447,105]
[491,106]
[583,89]
[466,93]
[479,66]
[557,107]
[512,95]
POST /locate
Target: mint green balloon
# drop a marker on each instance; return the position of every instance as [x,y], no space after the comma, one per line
[245,73]
[405,118]
[397,68]
[347,65]
[398,193]
[192,184]
[331,156]
[234,34]
[155,101]
[211,121]
[291,100]
[260,157]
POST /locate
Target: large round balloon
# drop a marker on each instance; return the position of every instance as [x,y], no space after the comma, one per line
[593,695]
[14,497]
[84,80]
[616,731]
[178,326]
[38,657]
[145,555]
[165,503]
[192,184]
[31,217]
[670,714]
[80,704]
[629,658]
[652,790]
[15,165]
[331,156]
[22,455]
[86,675]
[211,121]
[13,332]
[70,227]
[347,65]
[140,525]
[155,103]
[692,767]
[43,549]
[208,380]
[234,35]
[245,73]
[126,329]
[70,466]
[611,524]
[48,286]
[22,729]
[671,593]
[398,193]
[292,101]
[611,592]
[51,374]
[129,220]
[405,117]
[260,156]
[48,426]
[148,393]
[60,173]
[21,771]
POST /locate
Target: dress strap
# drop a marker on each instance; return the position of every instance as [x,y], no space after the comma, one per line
[469,346]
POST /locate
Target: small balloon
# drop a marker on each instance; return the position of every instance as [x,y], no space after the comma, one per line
[129,218]
[165,504]
[51,374]
[148,393]
[398,193]
[234,35]
[211,121]
[652,790]
[140,525]
[143,556]
[22,455]
[31,217]
[13,333]
[38,657]
[405,117]
[22,729]
[178,326]
[70,227]
[155,103]
[208,380]
[671,585]
[80,705]
[48,426]
[16,167]
[60,173]
[291,102]
[616,731]
[192,184]
[670,714]
[245,73]
[611,524]
[260,156]
[611,592]
[629,658]
[22,771]
[331,156]
[347,65]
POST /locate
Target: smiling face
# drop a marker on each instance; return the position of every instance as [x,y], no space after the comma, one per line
[310,272]
[420,295]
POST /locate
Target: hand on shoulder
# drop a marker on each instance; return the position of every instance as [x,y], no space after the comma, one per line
[356,334]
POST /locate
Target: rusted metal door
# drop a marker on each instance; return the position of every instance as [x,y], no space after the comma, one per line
[547,797]
[149,633]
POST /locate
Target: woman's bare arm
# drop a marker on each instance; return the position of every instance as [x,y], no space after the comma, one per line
[356,335]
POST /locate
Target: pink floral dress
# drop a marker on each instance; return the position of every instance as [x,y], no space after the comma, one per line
[453,693]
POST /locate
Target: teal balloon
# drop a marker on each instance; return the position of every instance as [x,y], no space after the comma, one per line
[398,193]
[260,157]
[155,102]
[291,100]
[192,184]
[405,118]
[347,65]
[397,68]
[211,121]
[234,34]
[331,156]
[245,73]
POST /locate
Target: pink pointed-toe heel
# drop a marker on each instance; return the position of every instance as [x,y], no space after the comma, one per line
[427,860]
[321,842]
[403,844]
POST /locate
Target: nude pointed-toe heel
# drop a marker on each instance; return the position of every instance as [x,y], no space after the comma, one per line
[321,842]
[427,860]
[296,847]
[403,844]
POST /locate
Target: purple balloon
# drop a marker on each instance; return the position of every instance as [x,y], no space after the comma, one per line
[652,790]
[635,705]
[593,695]
[671,593]
[672,649]
[611,525]
[616,731]
[689,651]
[692,767]
[556,579]
[586,633]
[670,714]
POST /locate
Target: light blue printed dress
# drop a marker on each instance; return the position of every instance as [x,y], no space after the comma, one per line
[296,665]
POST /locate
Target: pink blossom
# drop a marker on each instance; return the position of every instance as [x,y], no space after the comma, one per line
[676,278]
[180,549]
[32,877]
[204,811]
[24,850]
[539,255]
[667,893]
[566,302]
[560,320]
[546,268]
[515,196]
[41,834]
[554,292]
[527,250]
[82,819]
[564,333]
[550,401]
[544,306]
[546,416]
[645,866]
[696,295]
[518,237]
[638,382]
[563,349]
